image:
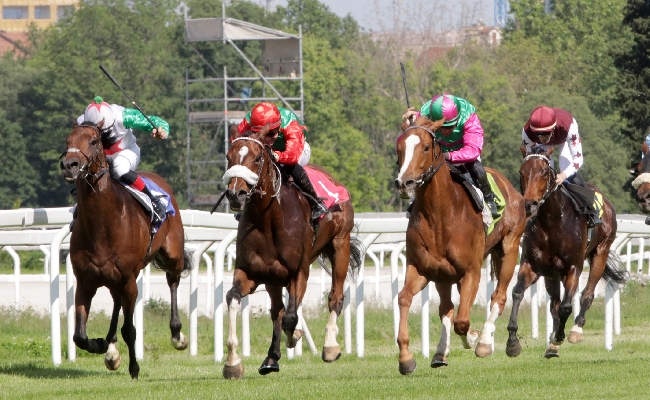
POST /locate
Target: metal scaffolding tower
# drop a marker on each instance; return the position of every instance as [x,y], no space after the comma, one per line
[212,104]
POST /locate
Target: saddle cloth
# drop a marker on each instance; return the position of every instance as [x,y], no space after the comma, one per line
[325,188]
[584,199]
[145,201]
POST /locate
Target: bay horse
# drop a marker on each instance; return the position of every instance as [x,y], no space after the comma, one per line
[641,183]
[110,244]
[446,242]
[555,245]
[276,245]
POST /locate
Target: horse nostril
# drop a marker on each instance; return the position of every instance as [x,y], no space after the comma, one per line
[241,193]
[397,183]
[409,182]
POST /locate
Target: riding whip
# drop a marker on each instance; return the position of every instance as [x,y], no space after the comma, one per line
[108,74]
[408,104]
[218,202]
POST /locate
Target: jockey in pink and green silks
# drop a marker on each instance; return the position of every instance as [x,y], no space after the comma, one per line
[461,137]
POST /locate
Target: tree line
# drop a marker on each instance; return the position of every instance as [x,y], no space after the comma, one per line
[588,57]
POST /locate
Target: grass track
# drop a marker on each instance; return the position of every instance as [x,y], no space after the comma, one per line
[584,371]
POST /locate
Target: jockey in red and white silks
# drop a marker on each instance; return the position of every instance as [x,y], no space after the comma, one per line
[548,127]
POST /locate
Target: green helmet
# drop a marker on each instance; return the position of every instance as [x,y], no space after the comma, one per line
[445,106]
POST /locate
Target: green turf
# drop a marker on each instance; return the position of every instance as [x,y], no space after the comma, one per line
[584,371]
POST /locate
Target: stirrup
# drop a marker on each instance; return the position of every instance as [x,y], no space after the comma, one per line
[593,221]
[493,209]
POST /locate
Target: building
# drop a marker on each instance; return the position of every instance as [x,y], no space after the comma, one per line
[18,15]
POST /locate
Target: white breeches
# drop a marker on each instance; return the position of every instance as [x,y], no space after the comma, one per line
[305,156]
[124,161]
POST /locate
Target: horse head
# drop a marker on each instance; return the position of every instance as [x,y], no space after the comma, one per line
[248,161]
[84,155]
[642,181]
[419,155]
[536,178]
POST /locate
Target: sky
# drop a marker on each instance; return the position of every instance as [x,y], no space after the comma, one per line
[363,11]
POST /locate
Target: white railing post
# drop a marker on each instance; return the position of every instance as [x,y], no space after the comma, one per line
[208,282]
[16,260]
[55,316]
[347,318]
[534,311]
[245,326]
[70,312]
[147,283]
[394,257]
[609,316]
[617,308]
[138,315]
[218,294]
[194,296]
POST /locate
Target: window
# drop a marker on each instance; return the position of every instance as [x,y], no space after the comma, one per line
[63,11]
[15,12]
[42,12]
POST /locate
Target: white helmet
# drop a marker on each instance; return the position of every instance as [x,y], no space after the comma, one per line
[99,110]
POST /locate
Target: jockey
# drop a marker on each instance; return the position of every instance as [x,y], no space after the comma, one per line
[548,127]
[287,139]
[118,141]
[462,137]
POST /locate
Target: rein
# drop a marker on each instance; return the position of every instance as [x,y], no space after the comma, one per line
[277,179]
[431,171]
[84,170]
[551,177]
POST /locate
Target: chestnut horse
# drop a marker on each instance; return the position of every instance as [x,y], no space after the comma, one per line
[642,183]
[110,242]
[555,245]
[276,245]
[446,242]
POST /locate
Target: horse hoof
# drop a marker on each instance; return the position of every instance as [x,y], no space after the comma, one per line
[292,340]
[180,344]
[554,341]
[233,371]
[552,351]
[331,354]
[406,368]
[134,370]
[513,349]
[483,350]
[575,336]
[438,361]
[269,365]
[112,359]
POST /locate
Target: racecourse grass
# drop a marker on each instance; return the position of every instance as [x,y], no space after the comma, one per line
[583,371]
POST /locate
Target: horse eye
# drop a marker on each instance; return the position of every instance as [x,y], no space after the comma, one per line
[427,147]
[258,158]
[93,142]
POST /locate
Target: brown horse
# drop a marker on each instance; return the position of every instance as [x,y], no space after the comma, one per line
[109,245]
[555,245]
[276,245]
[642,182]
[446,242]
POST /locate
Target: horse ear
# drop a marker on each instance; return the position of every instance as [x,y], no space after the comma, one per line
[435,125]
[234,133]
[263,132]
[522,148]
[549,152]
[645,148]
[100,124]
[405,124]
[75,124]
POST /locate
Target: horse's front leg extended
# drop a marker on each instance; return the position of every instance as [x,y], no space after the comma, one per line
[129,296]
[290,319]
[525,278]
[553,289]
[270,363]
[178,339]
[112,359]
[597,265]
[467,288]
[233,368]
[339,258]
[565,308]
[83,297]
[446,313]
[413,284]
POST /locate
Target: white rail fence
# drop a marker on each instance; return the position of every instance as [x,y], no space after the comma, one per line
[46,230]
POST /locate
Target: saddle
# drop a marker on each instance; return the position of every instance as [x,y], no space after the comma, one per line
[461,176]
[585,200]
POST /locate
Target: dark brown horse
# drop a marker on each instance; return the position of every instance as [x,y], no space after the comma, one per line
[446,242]
[555,245]
[109,244]
[275,246]
[642,182]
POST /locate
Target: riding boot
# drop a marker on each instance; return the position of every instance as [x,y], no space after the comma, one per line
[478,173]
[301,179]
[159,208]
[593,218]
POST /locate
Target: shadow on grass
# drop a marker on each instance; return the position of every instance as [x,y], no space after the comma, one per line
[37,371]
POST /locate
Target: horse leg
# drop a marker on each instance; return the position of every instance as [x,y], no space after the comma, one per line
[553,289]
[270,363]
[112,359]
[179,341]
[233,368]
[446,312]
[525,278]
[413,284]
[83,297]
[565,308]
[467,288]
[129,296]
[597,265]
[504,259]
[296,289]
[339,258]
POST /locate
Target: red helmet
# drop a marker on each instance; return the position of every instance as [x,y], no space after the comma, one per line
[542,120]
[262,114]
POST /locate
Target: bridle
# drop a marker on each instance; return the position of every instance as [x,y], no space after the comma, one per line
[431,171]
[84,170]
[551,185]
[277,179]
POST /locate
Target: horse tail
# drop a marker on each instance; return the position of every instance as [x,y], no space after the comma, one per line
[613,271]
[188,263]
[357,256]
[159,260]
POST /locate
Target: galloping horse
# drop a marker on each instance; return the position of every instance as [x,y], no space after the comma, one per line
[275,246]
[446,242]
[110,245]
[642,182]
[555,245]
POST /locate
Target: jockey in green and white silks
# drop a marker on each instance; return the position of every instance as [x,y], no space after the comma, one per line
[119,142]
